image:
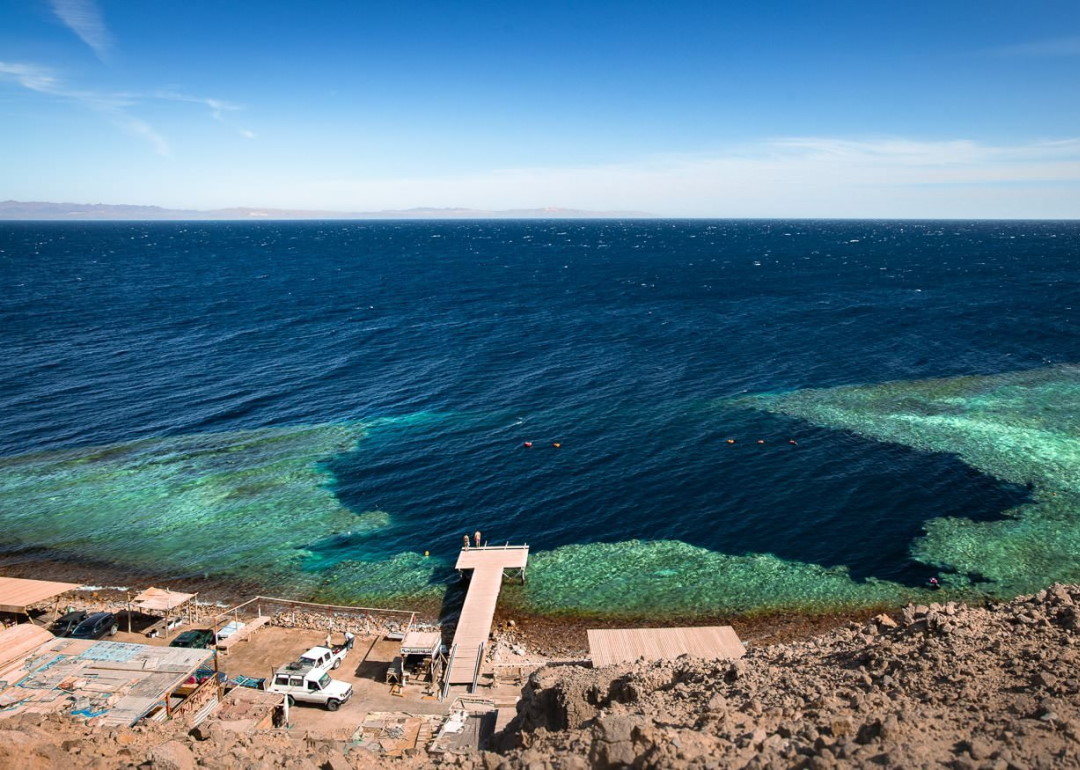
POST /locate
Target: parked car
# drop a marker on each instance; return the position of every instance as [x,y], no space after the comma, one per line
[96,626]
[65,625]
[320,658]
[312,686]
[202,674]
[197,637]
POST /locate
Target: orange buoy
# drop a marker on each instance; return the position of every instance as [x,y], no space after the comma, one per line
[528,445]
[556,445]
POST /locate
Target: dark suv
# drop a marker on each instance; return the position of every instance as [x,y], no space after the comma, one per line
[96,626]
[65,625]
[198,637]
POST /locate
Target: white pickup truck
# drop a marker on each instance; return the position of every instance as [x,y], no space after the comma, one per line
[311,686]
[321,658]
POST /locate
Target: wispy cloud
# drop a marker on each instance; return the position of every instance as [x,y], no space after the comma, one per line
[219,109]
[116,106]
[29,76]
[112,106]
[84,18]
[1060,46]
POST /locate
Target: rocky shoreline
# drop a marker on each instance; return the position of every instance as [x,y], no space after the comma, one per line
[552,636]
[938,685]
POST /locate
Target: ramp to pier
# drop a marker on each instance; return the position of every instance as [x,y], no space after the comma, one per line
[474,626]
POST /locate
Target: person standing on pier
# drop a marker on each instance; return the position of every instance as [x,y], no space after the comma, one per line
[477,537]
[465,543]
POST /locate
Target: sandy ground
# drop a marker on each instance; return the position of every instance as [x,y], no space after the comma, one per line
[364,667]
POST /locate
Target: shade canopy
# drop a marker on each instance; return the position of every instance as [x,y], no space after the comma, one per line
[17,594]
[421,643]
[161,599]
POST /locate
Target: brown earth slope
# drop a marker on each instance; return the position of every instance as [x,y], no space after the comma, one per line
[942,686]
[939,686]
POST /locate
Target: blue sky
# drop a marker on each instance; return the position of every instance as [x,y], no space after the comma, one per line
[824,109]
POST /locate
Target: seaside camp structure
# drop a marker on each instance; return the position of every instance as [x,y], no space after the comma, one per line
[105,683]
[488,564]
[608,647]
[18,595]
[168,603]
[421,658]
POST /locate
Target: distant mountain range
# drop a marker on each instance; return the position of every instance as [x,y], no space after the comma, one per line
[83,211]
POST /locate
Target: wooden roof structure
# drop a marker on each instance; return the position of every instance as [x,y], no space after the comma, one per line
[19,641]
[18,594]
[421,643]
[608,647]
[105,683]
[161,599]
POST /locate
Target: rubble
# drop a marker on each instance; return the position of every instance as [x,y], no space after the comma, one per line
[940,685]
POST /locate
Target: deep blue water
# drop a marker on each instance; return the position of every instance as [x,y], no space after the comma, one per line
[620,340]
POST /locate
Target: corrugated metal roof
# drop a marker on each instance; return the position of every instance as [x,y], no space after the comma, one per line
[109,683]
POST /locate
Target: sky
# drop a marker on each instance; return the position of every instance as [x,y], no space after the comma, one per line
[950,108]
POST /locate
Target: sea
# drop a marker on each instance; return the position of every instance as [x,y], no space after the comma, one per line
[679,417]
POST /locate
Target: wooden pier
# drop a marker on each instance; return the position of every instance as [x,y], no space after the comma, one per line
[488,564]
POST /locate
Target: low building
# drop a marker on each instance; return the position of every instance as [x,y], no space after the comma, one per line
[103,683]
[245,710]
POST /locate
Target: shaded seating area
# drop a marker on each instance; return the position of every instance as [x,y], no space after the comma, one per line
[19,595]
[174,608]
[421,656]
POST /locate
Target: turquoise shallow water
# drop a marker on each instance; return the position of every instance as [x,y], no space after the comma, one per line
[311,407]
[1021,427]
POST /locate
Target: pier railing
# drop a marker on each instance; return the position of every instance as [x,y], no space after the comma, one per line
[446,673]
[476,669]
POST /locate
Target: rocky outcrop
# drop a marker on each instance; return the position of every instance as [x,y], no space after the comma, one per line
[937,686]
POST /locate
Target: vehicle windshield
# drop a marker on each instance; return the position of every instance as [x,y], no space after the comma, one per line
[324,680]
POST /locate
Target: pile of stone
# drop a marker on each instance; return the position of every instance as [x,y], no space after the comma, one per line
[361,624]
[939,686]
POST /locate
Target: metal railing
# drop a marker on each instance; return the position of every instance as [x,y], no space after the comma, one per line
[446,677]
[476,670]
[504,547]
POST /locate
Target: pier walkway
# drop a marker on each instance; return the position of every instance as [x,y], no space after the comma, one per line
[488,564]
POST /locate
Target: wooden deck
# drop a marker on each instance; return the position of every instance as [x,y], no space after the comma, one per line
[474,625]
[625,645]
